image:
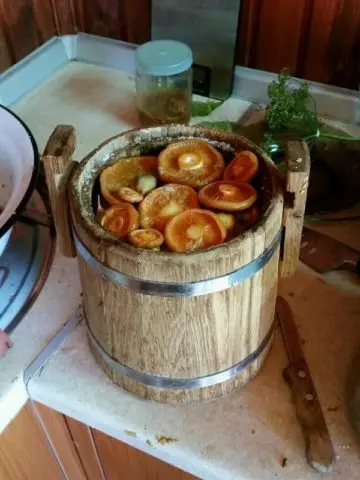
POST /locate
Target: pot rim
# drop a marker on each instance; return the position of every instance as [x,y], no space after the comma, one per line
[33,180]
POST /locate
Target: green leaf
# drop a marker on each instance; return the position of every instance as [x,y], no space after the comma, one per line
[202,109]
[291,110]
[323,133]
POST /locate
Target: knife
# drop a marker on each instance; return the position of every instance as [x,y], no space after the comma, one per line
[324,253]
[319,450]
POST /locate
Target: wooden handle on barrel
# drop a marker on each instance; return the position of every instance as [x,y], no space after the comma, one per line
[58,166]
[297,159]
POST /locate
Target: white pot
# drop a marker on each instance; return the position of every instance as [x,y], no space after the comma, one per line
[19,165]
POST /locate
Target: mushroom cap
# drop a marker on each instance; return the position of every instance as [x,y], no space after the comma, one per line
[146,238]
[125,173]
[228,196]
[191,162]
[163,203]
[120,219]
[242,168]
[193,230]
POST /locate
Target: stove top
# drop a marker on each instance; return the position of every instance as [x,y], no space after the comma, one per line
[26,261]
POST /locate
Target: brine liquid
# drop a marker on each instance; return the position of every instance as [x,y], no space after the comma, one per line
[164,106]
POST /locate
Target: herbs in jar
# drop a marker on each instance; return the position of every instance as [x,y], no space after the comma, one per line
[160,107]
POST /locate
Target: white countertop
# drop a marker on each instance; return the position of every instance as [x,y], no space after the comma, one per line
[56,303]
[244,436]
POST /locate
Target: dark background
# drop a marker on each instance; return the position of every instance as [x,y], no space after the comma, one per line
[315,39]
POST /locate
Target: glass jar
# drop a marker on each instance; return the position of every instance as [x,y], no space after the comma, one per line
[163,82]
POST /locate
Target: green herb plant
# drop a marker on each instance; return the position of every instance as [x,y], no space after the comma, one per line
[291,112]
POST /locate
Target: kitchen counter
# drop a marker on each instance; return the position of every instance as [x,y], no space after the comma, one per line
[56,303]
[253,433]
[250,433]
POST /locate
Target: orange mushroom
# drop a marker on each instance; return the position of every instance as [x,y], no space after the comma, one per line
[120,219]
[130,195]
[146,238]
[228,196]
[193,230]
[248,217]
[190,162]
[164,203]
[242,168]
[125,173]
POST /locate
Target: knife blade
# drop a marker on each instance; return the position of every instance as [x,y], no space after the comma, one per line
[324,253]
[318,446]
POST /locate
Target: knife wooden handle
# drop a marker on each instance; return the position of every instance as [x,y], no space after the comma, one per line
[319,450]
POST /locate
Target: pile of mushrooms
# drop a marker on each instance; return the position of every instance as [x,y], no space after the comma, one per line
[184,200]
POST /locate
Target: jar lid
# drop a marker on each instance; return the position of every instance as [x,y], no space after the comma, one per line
[163,57]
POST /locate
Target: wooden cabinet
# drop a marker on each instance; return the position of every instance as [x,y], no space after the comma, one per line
[316,39]
[25,453]
[44,444]
[123,462]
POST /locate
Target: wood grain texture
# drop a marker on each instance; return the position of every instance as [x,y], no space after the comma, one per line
[44,18]
[183,396]
[320,40]
[297,159]
[296,182]
[177,337]
[122,461]
[317,42]
[64,16]
[279,34]
[248,32]
[102,17]
[7,54]
[319,450]
[57,431]
[26,24]
[58,165]
[268,42]
[343,54]
[21,26]
[79,10]
[84,443]
[24,451]
[322,19]
[135,20]
[87,454]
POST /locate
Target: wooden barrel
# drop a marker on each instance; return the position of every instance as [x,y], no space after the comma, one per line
[177,327]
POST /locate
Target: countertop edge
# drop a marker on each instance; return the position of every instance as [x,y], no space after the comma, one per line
[166,453]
